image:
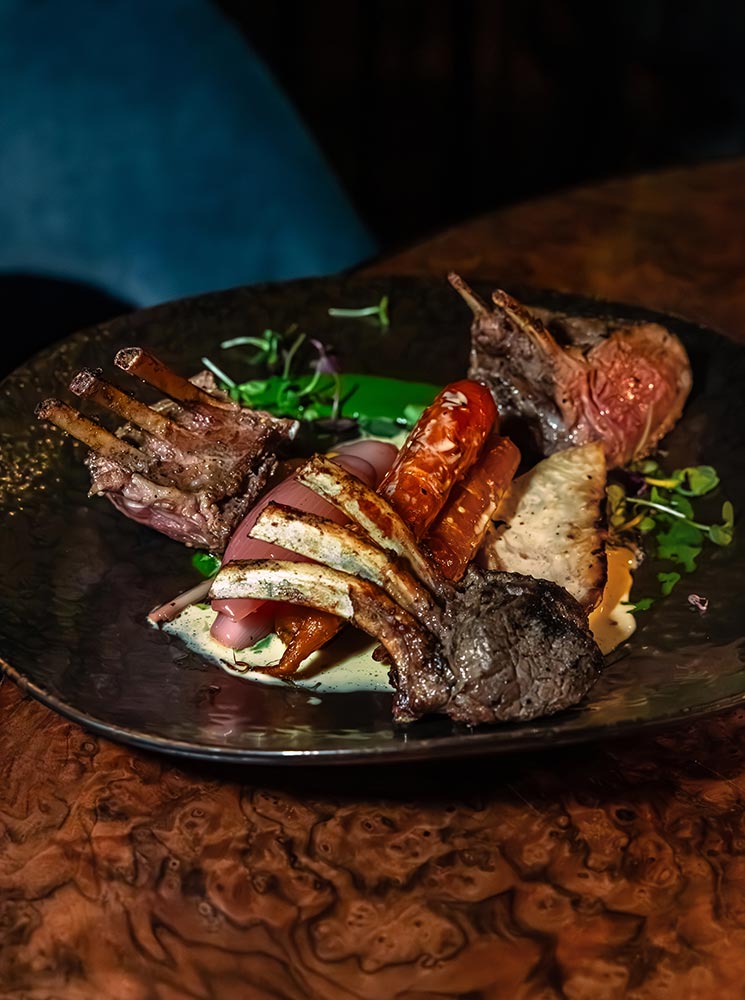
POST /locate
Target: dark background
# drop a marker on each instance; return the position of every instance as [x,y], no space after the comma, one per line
[431,111]
[434,110]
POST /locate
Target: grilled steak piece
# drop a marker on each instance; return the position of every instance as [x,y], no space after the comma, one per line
[568,380]
[518,648]
[189,467]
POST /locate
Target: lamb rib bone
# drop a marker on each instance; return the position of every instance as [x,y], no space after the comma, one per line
[96,437]
[89,384]
[339,548]
[188,466]
[139,362]
[622,382]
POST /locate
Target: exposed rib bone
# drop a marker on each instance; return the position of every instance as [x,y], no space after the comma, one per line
[336,546]
[150,369]
[90,384]
[474,302]
[103,442]
[171,609]
[372,513]
[532,327]
[364,604]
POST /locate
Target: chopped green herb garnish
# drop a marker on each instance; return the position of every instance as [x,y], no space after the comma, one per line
[378,312]
[660,506]
[262,643]
[206,563]
[667,581]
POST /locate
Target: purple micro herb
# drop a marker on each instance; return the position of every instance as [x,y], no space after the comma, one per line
[637,483]
[701,604]
[326,363]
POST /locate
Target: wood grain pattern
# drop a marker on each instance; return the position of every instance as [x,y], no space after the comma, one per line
[592,873]
[672,241]
[589,874]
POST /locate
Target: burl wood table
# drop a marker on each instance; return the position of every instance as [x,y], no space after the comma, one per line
[597,873]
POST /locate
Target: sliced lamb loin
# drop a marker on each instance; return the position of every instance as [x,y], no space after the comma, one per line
[622,384]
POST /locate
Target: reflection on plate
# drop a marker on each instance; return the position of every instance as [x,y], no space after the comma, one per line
[79,579]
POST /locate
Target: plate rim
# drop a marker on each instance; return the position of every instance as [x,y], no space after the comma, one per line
[481,742]
[455,745]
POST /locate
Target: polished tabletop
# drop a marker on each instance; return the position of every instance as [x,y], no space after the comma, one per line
[595,873]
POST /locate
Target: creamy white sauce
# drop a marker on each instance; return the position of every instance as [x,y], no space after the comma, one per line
[346,664]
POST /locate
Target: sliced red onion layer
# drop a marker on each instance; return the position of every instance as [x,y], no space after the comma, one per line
[244,633]
[368,460]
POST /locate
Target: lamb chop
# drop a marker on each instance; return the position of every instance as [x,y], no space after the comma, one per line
[624,385]
[499,646]
[190,466]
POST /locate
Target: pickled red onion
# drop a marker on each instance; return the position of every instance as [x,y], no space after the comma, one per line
[368,460]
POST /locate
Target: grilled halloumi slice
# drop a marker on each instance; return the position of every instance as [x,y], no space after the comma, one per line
[550,525]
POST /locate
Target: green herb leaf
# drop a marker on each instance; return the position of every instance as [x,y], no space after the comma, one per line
[682,505]
[668,581]
[616,504]
[666,514]
[262,643]
[206,563]
[648,467]
[722,534]
[701,479]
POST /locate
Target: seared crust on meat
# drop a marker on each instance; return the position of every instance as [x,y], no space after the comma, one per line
[499,646]
[624,385]
[190,466]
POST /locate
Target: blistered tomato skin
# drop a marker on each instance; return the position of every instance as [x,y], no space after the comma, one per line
[459,529]
[442,446]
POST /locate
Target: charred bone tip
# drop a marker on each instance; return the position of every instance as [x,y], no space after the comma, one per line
[128,357]
[47,408]
[474,302]
[150,369]
[85,381]
[503,300]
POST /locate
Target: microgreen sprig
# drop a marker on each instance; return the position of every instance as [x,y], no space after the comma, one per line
[268,344]
[378,312]
[300,377]
[659,505]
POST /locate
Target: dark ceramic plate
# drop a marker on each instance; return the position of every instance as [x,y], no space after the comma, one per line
[78,579]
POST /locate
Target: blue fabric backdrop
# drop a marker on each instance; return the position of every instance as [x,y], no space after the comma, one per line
[146,150]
